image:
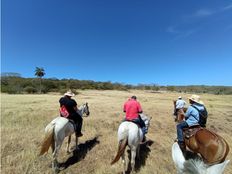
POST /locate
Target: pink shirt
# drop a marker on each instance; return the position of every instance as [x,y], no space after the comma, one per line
[132,108]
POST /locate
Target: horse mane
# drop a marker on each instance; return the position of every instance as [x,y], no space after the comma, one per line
[194,166]
[197,166]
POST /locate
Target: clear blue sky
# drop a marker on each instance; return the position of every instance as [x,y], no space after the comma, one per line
[165,42]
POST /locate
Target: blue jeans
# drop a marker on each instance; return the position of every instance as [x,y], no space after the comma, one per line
[179,128]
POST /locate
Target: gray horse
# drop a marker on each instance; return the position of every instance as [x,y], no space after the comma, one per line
[196,165]
[130,134]
[56,131]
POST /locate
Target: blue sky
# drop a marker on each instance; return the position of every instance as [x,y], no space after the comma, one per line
[162,42]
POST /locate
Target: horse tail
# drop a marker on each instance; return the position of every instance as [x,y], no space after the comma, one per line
[48,140]
[121,148]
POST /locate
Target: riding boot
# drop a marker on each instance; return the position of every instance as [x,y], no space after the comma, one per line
[182,147]
[78,131]
[79,134]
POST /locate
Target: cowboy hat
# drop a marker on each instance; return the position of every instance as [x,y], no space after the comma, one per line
[69,93]
[196,98]
[179,97]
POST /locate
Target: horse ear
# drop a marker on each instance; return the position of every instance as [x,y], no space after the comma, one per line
[217,168]
[178,157]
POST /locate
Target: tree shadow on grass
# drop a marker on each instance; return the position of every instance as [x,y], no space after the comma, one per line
[80,152]
[143,155]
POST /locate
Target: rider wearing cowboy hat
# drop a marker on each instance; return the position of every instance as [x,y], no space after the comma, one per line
[180,103]
[71,106]
[191,118]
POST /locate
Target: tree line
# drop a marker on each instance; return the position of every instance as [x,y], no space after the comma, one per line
[13,83]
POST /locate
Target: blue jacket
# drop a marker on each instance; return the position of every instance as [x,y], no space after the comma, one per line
[192,115]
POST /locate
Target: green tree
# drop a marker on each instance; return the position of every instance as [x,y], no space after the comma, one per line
[39,72]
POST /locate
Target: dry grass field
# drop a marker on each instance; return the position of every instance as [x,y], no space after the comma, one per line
[24,117]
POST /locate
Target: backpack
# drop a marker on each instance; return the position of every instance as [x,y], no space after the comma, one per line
[203,115]
[64,112]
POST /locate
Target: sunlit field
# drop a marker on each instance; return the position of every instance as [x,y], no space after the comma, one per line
[24,117]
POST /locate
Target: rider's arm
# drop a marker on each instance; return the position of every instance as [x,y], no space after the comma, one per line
[75,108]
[139,108]
[188,112]
[124,107]
[74,103]
[61,101]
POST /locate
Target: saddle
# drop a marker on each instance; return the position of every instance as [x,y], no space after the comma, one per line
[138,124]
[191,131]
[211,147]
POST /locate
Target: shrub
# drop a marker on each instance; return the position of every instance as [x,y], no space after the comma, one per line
[30,89]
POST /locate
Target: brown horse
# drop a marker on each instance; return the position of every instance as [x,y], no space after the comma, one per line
[211,146]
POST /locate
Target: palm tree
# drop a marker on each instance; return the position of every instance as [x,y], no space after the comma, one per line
[39,72]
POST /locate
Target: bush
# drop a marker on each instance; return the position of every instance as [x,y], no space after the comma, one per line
[30,90]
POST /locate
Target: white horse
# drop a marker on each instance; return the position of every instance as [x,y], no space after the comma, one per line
[194,166]
[56,131]
[130,134]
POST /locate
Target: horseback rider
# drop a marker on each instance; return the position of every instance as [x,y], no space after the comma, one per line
[191,119]
[132,108]
[180,103]
[71,106]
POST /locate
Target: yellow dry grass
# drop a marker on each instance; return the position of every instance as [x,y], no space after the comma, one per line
[24,117]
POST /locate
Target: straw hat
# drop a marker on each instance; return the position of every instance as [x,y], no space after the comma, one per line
[69,93]
[196,98]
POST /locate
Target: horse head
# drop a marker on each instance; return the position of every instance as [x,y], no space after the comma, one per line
[174,103]
[84,110]
[195,165]
[146,120]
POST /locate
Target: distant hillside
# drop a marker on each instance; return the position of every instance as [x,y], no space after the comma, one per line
[17,85]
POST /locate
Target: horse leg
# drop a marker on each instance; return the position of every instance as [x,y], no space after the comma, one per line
[124,163]
[77,143]
[133,155]
[137,153]
[69,140]
[77,148]
[55,164]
